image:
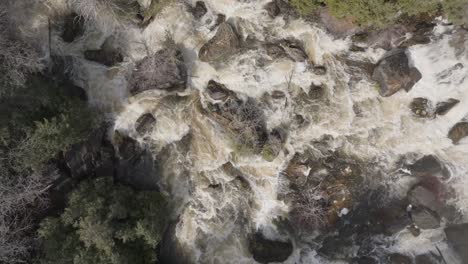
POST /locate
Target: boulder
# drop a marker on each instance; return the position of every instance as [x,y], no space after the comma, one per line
[394,73]
[387,39]
[225,43]
[136,166]
[457,236]
[425,219]
[199,10]
[320,70]
[458,132]
[429,165]
[218,91]
[73,27]
[281,7]
[422,107]
[170,250]
[444,107]
[266,251]
[107,54]
[145,124]
[287,48]
[164,70]
[428,258]
[397,258]
[364,260]
[340,27]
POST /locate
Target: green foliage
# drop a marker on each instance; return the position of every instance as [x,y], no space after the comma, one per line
[377,13]
[456,11]
[105,223]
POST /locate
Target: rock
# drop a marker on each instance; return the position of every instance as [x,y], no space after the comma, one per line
[199,10]
[429,165]
[171,250]
[458,132]
[220,18]
[425,219]
[163,70]
[364,260]
[278,94]
[423,197]
[428,258]
[443,107]
[225,43]
[266,251]
[421,34]
[393,73]
[422,107]
[414,230]
[340,27]
[320,70]
[73,28]
[136,166]
[286,48]
[274,144]
[457,236]
[397,258]
[218,91]
[272,9]
[145,124]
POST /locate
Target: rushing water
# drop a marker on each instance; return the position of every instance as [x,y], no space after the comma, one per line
[214,222]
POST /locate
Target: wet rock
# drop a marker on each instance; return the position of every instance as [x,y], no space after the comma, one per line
[421,196]
[320,70]
[220,18]
[266,251]
[145,124]
[394,73]
[457,236]
[274,144]
[429,258]
[291,49]
[422,107]
[397,258]
[425,219]
[414,230]
[388,38]
[278,94]
[429,165]
[365,260]
[218,91]
[281,7]
[444,107]
[199,10]
[340,27]
[421,34]
[73,28]
[171,250]
[458,132]
[225,43]
[163,70]
[136,166]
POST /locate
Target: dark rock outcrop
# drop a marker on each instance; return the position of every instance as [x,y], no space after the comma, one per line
[145,124]
[444,107]
[107,54]
[266,251]
[424,198]
[394,73]
[171,250]
[164,70]
[340,27]
[287,48]
[457,236]
[199,10]
[428,258]
[135,165]
[396,258]
[225,43]
[458,132]
[281,7]
[218,91]
[73,28]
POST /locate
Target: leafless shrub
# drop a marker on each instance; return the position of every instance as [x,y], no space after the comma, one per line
[18,59]
[308,210]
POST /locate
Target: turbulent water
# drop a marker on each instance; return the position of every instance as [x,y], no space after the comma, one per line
[214,222]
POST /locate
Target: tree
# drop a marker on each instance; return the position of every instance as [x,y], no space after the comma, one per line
[105,223]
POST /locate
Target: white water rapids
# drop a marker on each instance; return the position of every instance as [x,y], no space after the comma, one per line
[214,221]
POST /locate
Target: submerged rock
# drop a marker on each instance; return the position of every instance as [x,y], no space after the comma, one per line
[425,198]
[163,70]
[444,107]
[73,28]
[266,251]
[458,132]
[145,124]
[457,236]
[422,107]
[397,258]
[199,10]
[218,91]
[394,73]
[225,43]
[425,219]
[429,165]
[287,48]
